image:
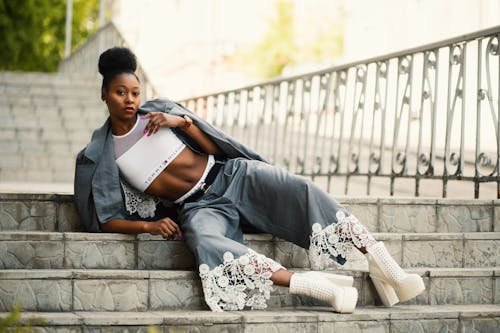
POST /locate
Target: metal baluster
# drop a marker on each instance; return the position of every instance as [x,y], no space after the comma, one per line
[379,107]
[342,82]
[275,109]
[452,158]
[399,159]
[288,136]
[260,119]
[425,165]
[319,148]
[358,115]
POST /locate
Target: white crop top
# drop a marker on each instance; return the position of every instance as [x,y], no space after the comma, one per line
[142,158]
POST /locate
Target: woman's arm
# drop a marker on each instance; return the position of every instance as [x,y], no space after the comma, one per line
[164,227]
[160,119]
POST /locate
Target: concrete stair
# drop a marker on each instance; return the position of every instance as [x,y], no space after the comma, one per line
[81,282]
[46,120]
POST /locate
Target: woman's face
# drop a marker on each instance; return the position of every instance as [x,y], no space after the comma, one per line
[123,97]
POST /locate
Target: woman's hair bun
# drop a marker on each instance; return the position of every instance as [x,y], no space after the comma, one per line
[117,60]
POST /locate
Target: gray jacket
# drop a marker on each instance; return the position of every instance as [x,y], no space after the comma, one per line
[98,194]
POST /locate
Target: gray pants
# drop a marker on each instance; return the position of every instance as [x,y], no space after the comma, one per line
[254,195]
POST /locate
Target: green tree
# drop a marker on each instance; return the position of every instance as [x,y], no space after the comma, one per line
[32,32]
[279,48]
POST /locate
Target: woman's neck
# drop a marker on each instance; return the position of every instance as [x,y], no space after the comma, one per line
[121,126]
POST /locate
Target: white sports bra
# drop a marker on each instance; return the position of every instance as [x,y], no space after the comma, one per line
[142,158]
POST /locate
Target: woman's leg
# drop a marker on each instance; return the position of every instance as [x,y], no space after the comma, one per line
[296,210]
[233,276]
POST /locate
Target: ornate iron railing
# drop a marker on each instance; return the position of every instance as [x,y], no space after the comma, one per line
[85,58]
[421,122]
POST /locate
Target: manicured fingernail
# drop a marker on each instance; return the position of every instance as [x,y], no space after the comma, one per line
[145,130]
[156,131]
[180,235]
[142,117]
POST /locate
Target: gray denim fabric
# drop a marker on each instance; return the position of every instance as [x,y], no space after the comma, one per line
[250,193]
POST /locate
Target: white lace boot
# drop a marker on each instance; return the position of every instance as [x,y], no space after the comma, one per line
[341,280]
[392,283]
[342,298]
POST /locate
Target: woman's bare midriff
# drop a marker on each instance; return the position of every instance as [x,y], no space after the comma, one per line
[179,176]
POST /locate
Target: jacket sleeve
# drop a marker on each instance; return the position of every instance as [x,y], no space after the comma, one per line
[84,202]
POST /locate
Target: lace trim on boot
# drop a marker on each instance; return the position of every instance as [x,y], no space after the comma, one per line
[337,239]
[238,283]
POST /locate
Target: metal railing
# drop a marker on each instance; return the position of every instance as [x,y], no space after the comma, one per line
[85,58]
[422,121]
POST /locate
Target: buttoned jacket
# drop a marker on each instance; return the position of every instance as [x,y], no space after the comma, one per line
[97,189]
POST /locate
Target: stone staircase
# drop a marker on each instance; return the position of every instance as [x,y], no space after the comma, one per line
[45,118]
[81,282]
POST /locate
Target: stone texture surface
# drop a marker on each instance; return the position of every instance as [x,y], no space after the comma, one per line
[36,295]
[433,253]
[482,253]
[272,327]
[26,215]
[496,295]
[407,218]
[117,329]
[105,254]
[413,319]
[38,254]
[114,295]
[355,327]
[171,294]
[481,325]
[164,255]
[496,220]
[148,294]
[443,325]
[291,255]
[457,290]
[464,218]
[60,329]
[367,214]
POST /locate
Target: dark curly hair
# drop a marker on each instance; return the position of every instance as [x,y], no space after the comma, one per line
[115,61]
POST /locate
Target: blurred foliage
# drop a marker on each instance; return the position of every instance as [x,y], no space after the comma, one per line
[13,323]
[279,47]
[32,32]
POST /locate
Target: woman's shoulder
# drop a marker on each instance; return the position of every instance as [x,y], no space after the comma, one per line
[157,105]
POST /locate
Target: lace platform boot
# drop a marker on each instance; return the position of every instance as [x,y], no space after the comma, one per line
[342,298]
[392,283]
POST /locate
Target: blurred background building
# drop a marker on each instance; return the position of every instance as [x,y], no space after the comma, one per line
[191,47]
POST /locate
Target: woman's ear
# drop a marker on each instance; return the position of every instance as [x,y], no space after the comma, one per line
[103,95]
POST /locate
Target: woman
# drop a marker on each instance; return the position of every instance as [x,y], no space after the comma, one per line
[218,189]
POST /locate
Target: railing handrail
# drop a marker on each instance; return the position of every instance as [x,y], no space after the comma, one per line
[418,49]
[425,113]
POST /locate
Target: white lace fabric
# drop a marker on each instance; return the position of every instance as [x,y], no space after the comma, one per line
[337,239]
[136,201]
[239,283]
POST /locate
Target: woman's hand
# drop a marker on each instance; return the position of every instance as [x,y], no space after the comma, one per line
[165,227]
[161,119]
